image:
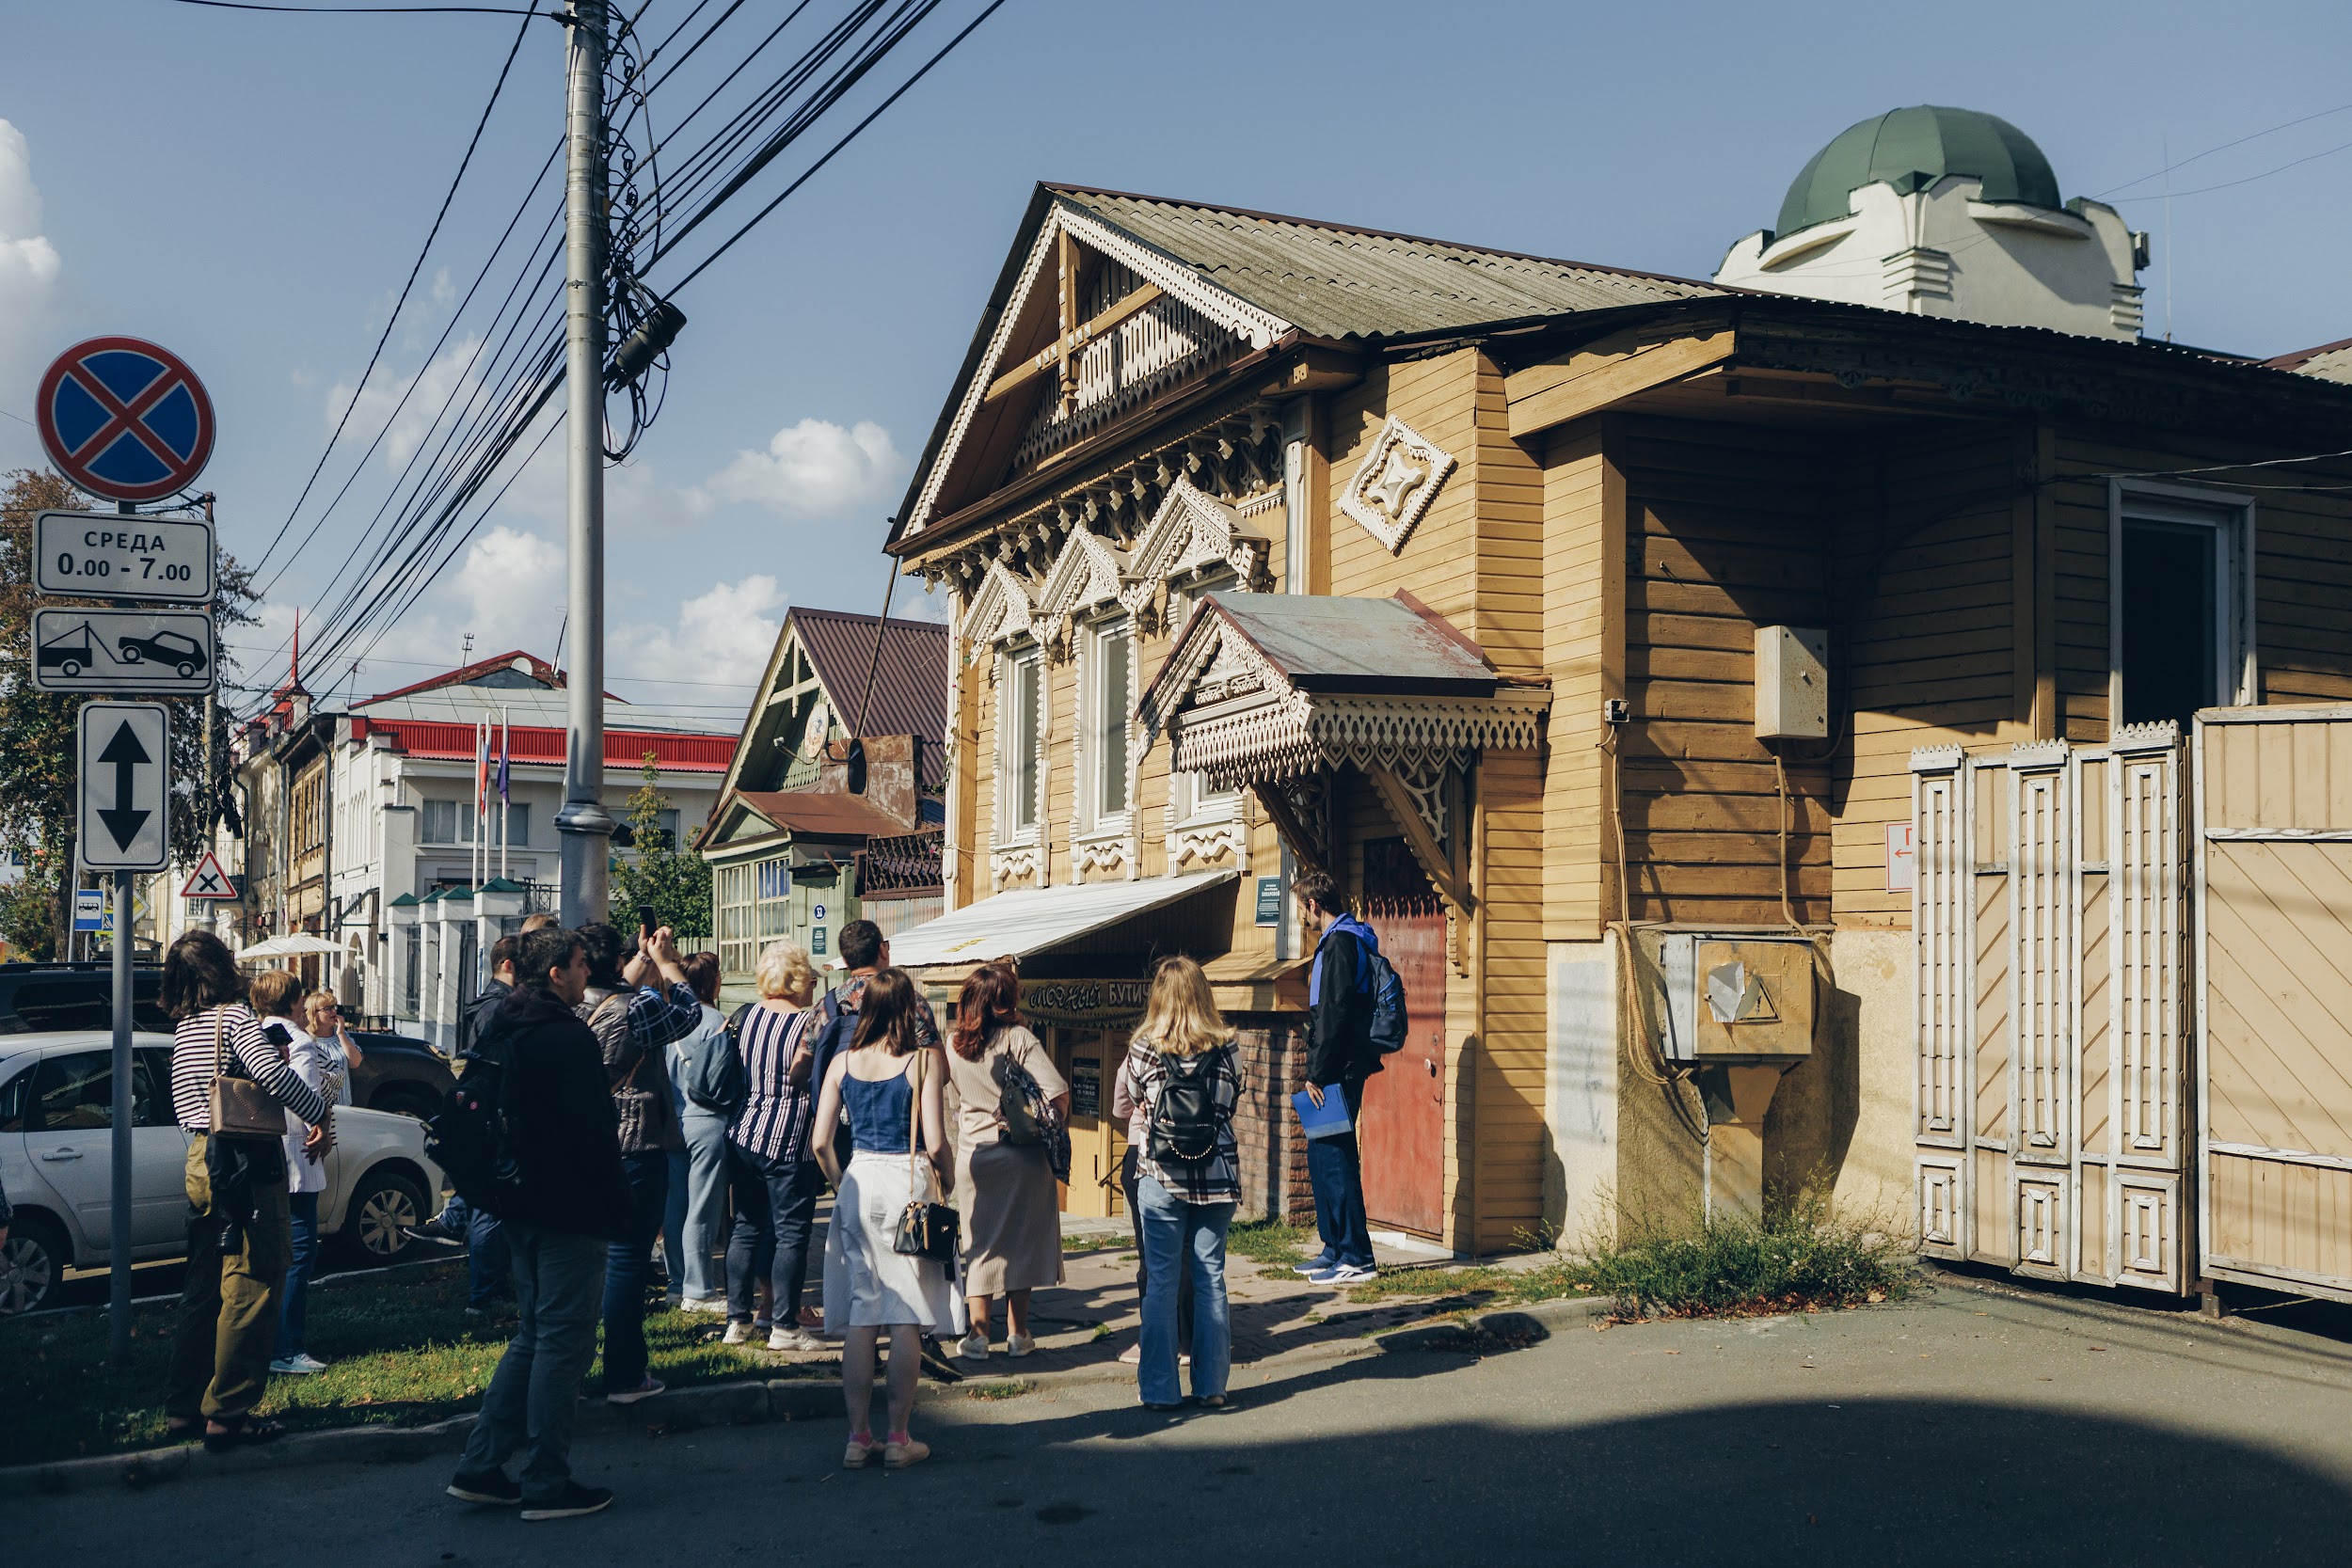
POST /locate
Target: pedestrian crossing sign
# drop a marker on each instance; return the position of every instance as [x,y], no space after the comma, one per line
[209,880]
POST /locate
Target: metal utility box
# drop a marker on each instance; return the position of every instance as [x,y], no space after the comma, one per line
[1736,997]
[1792,683]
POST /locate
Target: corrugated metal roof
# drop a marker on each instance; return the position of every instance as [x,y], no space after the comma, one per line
[2329,361]
[1340,282]
[909,682]
[809,813]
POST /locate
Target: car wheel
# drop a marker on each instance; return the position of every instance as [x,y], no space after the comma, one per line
[377,1219]
[131,653]
[405,1103]
[32,1261]
[186,669]
[71,667]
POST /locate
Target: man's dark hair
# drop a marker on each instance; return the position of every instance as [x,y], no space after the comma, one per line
[861,944]
[604,947]
[537,952]
[198,973]
[1317,888]
[502,951]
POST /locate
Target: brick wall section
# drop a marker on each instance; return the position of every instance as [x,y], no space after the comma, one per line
[1273,1149]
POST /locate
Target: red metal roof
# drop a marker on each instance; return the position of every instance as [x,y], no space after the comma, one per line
[540,671]
[808,813]
[910,683]
[543,745]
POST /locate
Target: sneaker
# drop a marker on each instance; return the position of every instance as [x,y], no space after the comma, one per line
[857,1455]
[972,1347]
[571,1503]
[484,1486]
[1020,1344]
[739,1333]
[300,1363]
[645,1391]
[1131,1356]
[897,1456]
[1314,1266]
[793,1339]
[1349,1273]
[716,1306]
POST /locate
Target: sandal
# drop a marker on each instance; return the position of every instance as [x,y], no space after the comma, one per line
[245,1432]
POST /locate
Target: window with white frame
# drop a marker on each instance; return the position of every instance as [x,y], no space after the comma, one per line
[448,822]
[1107,678]
[1020,744]
[1189,797]
[2181,609]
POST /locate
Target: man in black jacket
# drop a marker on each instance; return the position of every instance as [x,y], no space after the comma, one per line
[571,1199]
[1339,1051]
[486,1243]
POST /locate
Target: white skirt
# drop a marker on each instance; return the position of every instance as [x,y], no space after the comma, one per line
[868,1282]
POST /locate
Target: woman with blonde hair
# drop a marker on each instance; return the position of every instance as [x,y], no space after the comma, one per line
[773,1177]
[1182,1070]
[1011,1215]
[889,1084]
[324,1017]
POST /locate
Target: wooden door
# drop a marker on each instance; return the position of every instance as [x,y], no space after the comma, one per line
[1086,1061]
[1403,1128]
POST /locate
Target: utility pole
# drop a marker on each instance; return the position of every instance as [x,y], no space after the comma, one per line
[584,827]
[120,1171]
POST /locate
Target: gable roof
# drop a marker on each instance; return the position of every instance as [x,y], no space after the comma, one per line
[2329,361]
[909,682]
[1259,277]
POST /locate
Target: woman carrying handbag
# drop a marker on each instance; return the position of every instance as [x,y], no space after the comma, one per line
[890,1248]
[232,1089]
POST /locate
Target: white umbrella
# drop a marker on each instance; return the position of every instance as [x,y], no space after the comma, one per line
[298,944]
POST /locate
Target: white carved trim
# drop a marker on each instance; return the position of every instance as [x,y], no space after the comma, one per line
[1192,530]
[1012,862]
[1205,842]
[1087,573]
[1393,486]
[1002,610]
[1274,736]
[1938,759]
[1178,280]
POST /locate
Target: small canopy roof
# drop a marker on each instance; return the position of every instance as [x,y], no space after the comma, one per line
[1031,920]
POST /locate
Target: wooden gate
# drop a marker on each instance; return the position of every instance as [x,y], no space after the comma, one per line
[1402,1133]
[2049,931]
[2274,996]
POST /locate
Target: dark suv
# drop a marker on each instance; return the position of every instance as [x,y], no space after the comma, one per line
[397,1073]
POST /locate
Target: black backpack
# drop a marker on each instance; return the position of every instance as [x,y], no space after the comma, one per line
[1186,1118]
[714,1074]
[469,1139]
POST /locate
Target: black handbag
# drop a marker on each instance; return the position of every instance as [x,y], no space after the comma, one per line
[1030,1121]
[926,1229]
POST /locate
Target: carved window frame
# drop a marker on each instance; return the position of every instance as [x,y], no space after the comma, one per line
[1101,839]
[1191,800]
[1012,661]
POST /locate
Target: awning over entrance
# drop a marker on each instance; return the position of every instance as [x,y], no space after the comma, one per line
[1031,920]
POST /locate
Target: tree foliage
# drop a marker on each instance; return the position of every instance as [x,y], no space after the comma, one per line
[37,727]
[662,872]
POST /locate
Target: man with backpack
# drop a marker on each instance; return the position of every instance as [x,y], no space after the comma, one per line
[530,1134]
[1342,993]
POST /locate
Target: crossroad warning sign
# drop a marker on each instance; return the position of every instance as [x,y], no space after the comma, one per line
[207,880]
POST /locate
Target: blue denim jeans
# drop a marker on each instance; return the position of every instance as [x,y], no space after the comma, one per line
[696,1204]
[1335,1171]
[628,1270]
[775,1213]
[488,1269]
[1181,1238]
[533,1396]
[293,1308]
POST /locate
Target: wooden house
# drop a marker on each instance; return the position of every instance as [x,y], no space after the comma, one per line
[1623,642]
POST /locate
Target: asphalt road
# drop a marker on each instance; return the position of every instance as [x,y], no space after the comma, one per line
[1971,1428]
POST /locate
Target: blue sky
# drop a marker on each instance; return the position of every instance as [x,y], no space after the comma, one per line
[251,189]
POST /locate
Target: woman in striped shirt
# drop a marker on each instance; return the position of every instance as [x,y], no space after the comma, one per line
[773,1175]
[239,1232]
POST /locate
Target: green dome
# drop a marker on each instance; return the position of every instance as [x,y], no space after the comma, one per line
[1913,149]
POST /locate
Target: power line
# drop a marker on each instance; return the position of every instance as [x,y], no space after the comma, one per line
[2249,180]
[414,272]
[364,10]
[2172,167]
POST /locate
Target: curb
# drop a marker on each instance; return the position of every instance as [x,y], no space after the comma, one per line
[747,1403]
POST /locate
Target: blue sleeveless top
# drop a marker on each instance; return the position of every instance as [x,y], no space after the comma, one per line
[879,1112]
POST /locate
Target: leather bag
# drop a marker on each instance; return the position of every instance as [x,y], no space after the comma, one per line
[926,1229]
[239,1107]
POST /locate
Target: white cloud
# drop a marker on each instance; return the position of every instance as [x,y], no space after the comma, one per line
[425,391]
[723,636]
[29,268]
[814,468]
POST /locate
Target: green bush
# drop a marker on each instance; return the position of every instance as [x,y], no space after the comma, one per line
[1802,1258]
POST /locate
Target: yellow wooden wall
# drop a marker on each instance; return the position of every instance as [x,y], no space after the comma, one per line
[1583,654]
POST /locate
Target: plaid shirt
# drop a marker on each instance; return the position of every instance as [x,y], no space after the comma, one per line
[1216,1178]
[646,1020]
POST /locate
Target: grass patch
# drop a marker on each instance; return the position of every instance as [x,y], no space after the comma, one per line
[1008,1390]
[1492,1287]
[1803,1258]
[1270,1242]
[401,1352]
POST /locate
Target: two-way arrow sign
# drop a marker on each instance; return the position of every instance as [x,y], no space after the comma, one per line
[125,778]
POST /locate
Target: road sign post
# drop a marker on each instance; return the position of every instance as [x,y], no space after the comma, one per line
[137,652]
[124,419]
[107,555]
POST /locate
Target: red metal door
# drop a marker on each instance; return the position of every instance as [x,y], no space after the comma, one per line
[1402,1132]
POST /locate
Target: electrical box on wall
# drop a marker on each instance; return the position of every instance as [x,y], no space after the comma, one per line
[1792,683]
[1735,997]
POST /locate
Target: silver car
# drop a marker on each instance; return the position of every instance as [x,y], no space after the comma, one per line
[56,1116]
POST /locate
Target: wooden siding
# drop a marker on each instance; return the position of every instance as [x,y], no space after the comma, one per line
[1440,398]
[1584,653]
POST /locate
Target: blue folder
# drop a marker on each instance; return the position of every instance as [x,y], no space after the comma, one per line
[1327,1120]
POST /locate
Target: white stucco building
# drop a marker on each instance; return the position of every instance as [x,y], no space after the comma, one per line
[1940,212]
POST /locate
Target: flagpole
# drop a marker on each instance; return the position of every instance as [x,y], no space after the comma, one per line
[506,765]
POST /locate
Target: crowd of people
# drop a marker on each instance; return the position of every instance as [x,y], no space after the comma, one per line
[628,1110]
